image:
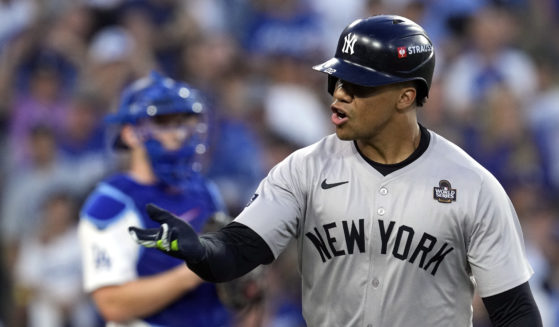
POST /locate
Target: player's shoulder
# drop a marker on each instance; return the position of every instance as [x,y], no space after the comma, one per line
[327,148]
[108,202]
[446,155]
[304,160]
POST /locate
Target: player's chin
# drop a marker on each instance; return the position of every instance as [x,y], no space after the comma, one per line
[344,135]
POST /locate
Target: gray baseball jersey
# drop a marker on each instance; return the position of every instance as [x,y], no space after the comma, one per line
[406,249]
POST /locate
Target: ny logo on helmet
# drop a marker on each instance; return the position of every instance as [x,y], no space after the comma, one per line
[349,43]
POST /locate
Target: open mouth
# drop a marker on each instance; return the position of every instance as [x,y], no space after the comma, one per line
[340,114]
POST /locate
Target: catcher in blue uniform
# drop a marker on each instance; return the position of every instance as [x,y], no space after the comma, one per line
[162,124]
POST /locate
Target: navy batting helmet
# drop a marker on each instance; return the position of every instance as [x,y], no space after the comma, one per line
[381,50]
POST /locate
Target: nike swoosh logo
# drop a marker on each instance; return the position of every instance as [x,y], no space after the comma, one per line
[326,186]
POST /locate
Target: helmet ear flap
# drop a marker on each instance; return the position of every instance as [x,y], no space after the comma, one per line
[332,80]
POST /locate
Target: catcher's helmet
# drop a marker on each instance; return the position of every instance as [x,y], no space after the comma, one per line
[381,50]
[155,95]
[151,96]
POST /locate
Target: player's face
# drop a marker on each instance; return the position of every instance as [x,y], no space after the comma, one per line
[362,113]
[172,130]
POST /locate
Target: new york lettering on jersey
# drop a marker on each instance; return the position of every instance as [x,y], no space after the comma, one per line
[427,251]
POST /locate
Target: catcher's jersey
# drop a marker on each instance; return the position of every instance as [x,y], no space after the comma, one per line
[111,257]
[406,249]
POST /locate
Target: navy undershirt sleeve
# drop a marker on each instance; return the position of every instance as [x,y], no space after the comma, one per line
[230,253]
[513,308]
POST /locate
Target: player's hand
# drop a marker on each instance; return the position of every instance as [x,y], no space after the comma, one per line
[175,236]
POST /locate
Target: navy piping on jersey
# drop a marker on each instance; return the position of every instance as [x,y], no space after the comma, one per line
[386,169]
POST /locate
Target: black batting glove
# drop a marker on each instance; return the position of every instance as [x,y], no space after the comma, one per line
[175,237]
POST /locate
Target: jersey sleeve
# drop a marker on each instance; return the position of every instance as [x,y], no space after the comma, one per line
[278,204]
[109,254]
[496,252]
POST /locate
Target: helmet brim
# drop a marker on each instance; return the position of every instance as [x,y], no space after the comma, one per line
[356,74]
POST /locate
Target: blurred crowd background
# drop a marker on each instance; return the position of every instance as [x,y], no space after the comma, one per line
[63,64]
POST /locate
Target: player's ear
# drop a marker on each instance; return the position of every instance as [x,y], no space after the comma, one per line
[129,136]
[406,97]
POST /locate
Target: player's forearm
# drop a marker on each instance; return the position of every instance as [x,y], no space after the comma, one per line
[144,296]
[231,253]
[528,319]
[513,308]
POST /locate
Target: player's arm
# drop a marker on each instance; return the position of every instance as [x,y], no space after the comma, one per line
[145,296]
[109,263]
[498,260]
[513,308]
[220,256]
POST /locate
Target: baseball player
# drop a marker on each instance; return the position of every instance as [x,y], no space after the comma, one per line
[162,126]
[395,225]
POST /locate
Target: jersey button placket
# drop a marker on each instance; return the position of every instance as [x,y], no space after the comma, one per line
[382,201]
[383,191]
